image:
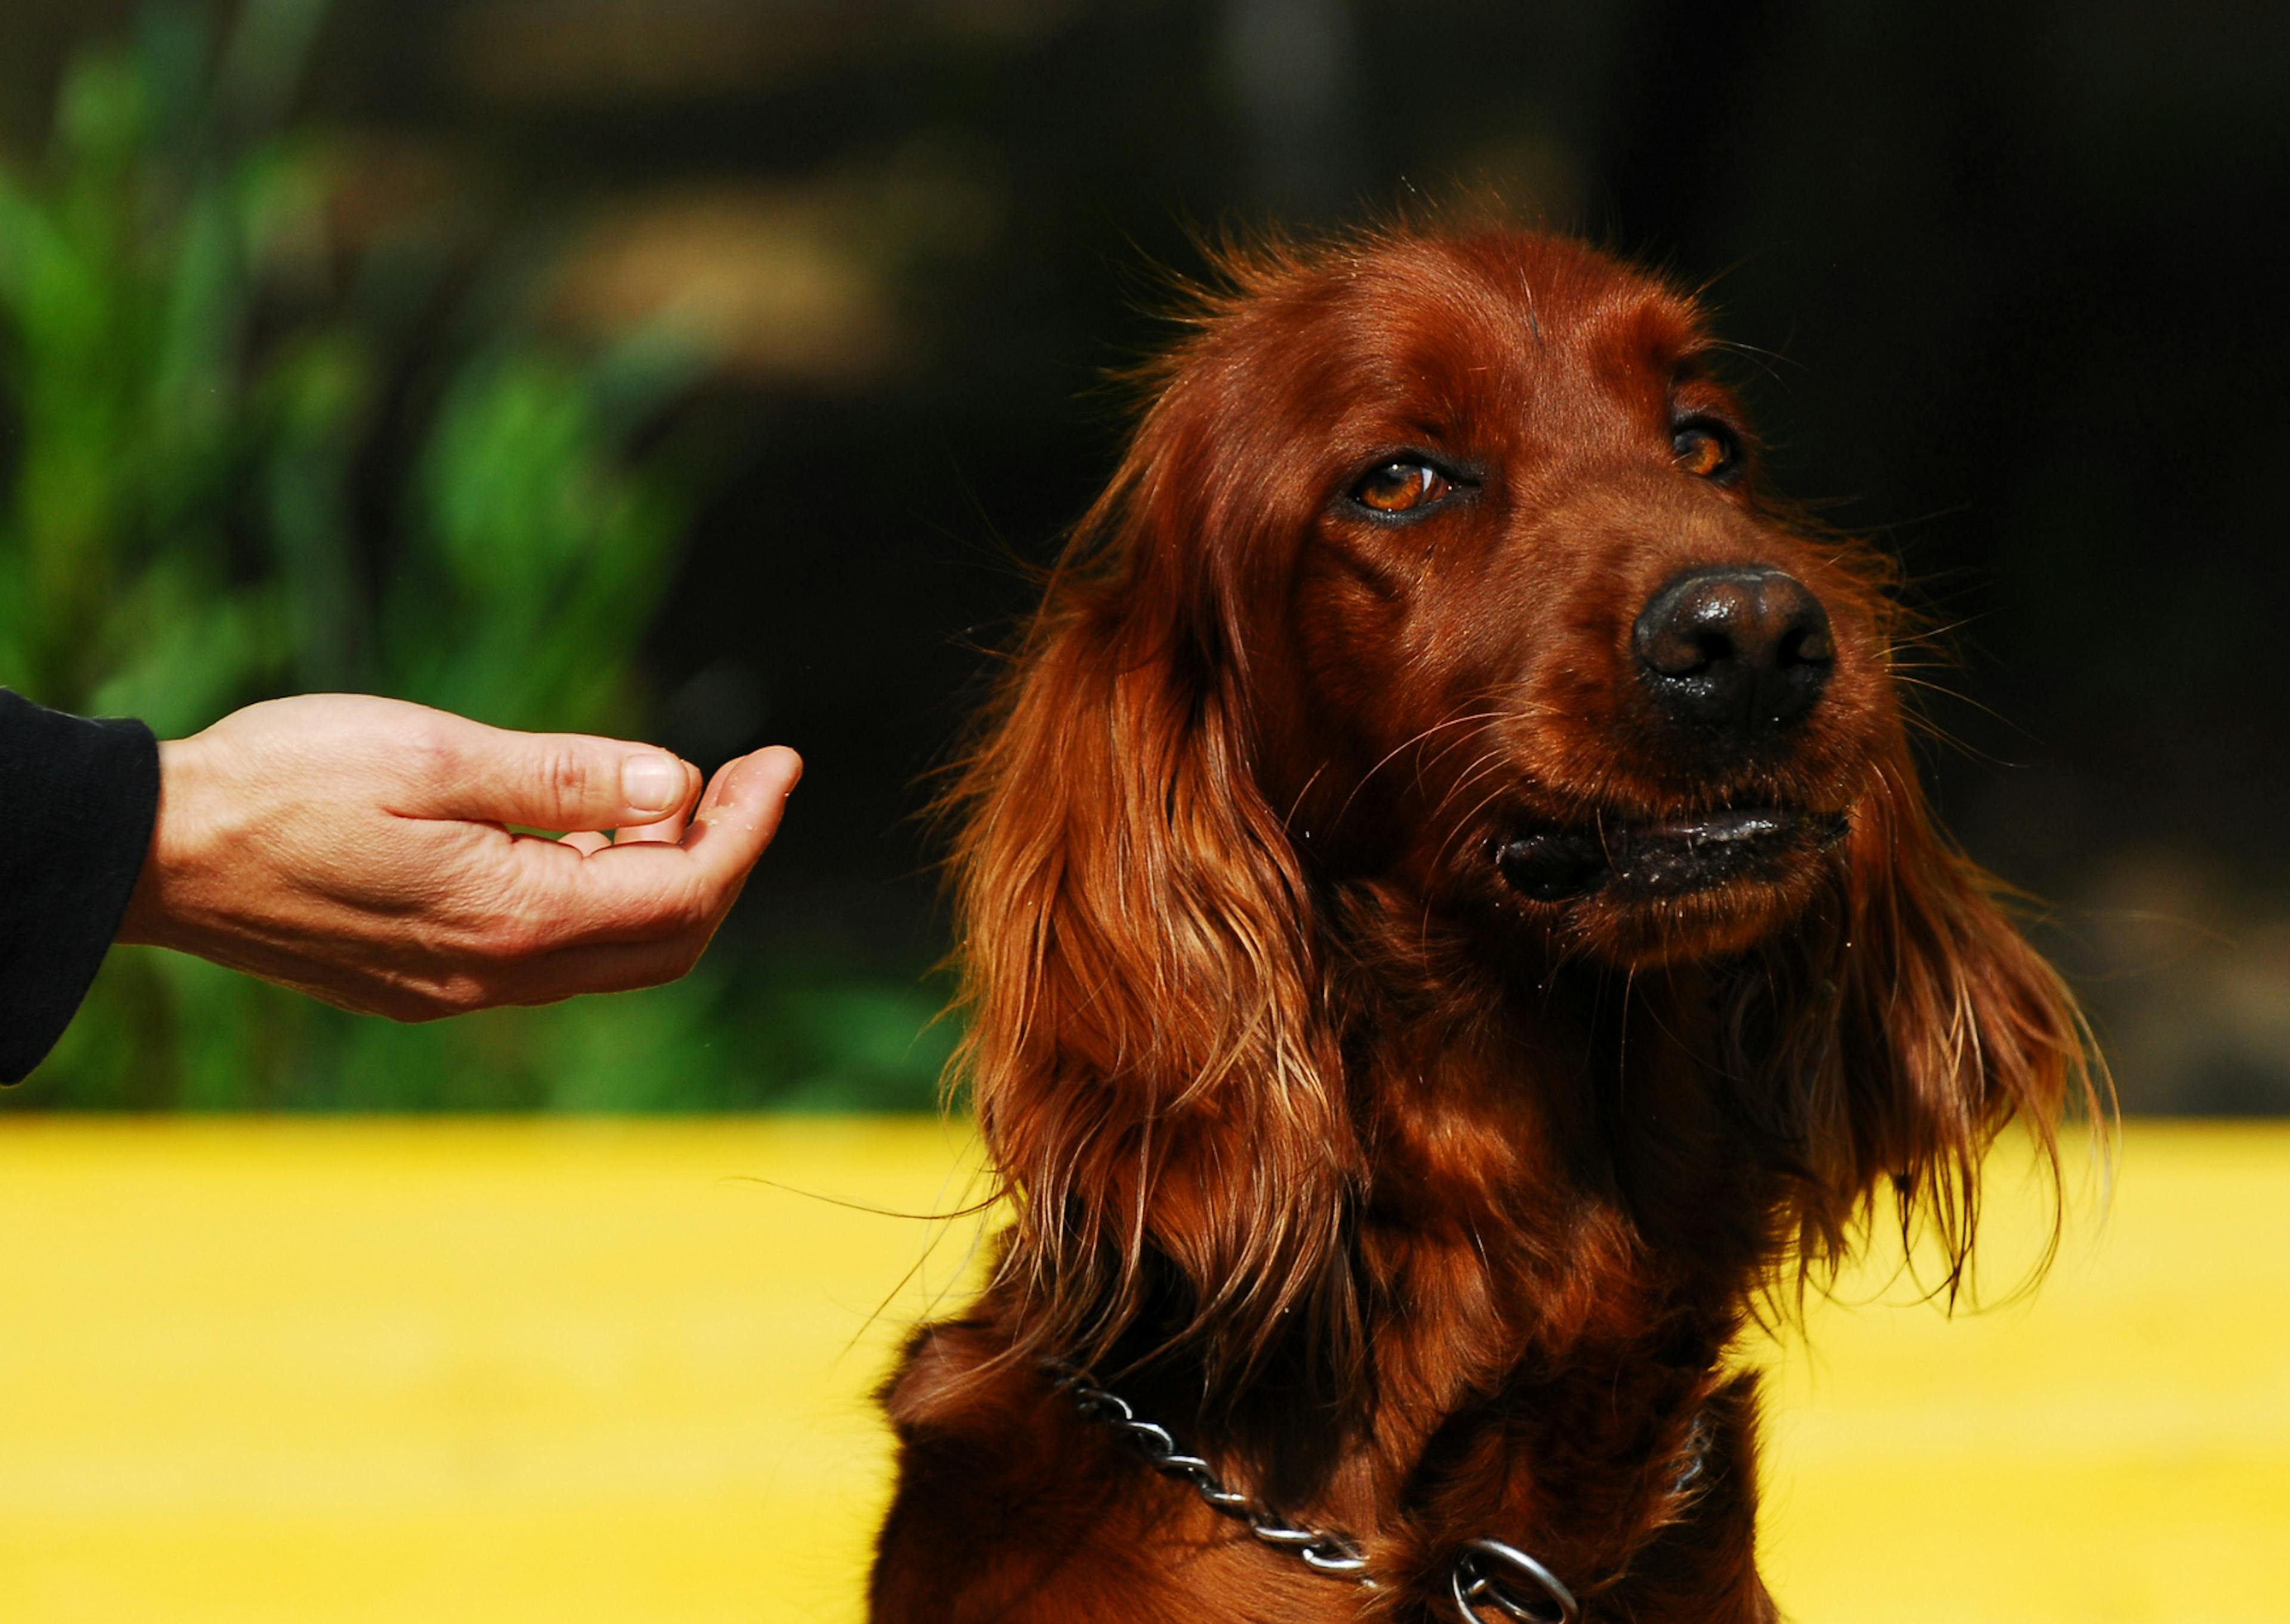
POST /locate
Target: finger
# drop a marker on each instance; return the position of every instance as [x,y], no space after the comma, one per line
[588,843]
[603,967]
[669,829]
[652,891]
[763,781]
[745,800]
[468,771]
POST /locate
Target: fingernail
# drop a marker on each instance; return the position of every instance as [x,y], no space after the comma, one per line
[652,783]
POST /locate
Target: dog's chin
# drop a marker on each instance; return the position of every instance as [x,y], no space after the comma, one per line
[1650,891]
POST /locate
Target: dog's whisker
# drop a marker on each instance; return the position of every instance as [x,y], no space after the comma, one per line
[1401,747]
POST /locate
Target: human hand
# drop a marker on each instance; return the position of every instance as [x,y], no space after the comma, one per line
[353,848]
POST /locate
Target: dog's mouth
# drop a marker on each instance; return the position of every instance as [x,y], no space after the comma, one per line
[1668,858]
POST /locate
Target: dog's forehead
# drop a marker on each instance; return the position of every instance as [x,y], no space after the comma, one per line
[1500,322]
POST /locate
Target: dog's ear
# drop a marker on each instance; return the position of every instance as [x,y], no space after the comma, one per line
[1910,1024]
[1149,1052]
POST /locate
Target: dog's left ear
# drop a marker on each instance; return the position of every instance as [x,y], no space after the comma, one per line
[1923,1023]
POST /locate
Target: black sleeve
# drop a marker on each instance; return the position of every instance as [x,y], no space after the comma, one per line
[79,798]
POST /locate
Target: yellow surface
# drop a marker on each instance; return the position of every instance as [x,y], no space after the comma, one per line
[333,1372]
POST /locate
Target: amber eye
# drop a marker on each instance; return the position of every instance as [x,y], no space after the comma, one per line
[1706,450]
[1401,487]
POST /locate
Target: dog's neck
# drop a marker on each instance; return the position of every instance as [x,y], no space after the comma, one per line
[1556,1122]
[1552,1162]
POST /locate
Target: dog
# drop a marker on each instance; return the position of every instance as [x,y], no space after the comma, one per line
[1449,928]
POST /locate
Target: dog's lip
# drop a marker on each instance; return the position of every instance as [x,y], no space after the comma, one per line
[1662,857]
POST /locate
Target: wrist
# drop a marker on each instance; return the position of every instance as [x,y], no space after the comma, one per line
[154,907]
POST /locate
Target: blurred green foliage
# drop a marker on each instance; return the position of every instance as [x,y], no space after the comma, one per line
[196,382]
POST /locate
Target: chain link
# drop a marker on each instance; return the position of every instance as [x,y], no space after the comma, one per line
[1697,1455]
[1489,1574]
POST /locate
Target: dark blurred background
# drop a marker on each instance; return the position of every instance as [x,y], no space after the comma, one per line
[788,318]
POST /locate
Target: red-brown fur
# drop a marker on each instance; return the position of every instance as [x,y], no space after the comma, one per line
[1422,1210]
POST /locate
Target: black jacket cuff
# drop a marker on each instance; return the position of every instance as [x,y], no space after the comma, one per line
[81,797]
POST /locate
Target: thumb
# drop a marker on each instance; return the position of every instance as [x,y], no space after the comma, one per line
[554,781]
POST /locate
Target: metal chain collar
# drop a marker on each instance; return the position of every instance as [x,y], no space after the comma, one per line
[1487,1574]
[1335,1555]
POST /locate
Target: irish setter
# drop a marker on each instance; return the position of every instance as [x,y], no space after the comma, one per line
[1449,924]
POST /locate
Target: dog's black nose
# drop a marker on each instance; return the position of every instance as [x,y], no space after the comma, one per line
[1739,650]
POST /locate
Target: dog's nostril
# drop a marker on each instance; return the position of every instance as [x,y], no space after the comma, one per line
[1806,645]
[1738,651]
[1713,647]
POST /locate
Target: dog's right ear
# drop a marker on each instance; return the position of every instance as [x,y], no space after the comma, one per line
[1908,1024]
[1148,1050]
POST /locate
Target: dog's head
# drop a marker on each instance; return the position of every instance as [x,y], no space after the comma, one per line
[1441,566]
[1521,629]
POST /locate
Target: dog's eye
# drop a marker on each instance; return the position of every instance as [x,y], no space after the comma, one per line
[1401,487]
[1706,450]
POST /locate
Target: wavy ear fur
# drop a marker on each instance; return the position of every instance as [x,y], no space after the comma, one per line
[1902,1032]
[1150,1054]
